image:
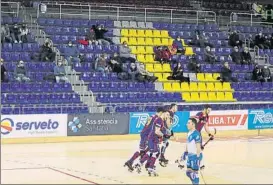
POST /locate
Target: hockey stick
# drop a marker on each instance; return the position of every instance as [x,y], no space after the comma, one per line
[210,139]
[203,177]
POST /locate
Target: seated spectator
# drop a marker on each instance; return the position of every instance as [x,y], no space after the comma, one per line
[15,33]
[200,40]
[257,74]
[3,72]
[236,56]
[234,40]
[145,76]
[260,41]
[71,53]
[91,37]
[163,54]
[246,57]
[133,71]
[125,53]
[99,34]
[101,63]
[59,72]
[5,36]
[46,53]
[20,72]
[210,57]
[226,74]
[193,65]
[177,44]
[267,41]
[178,74]
[23,33]
[116,64]
[266,74]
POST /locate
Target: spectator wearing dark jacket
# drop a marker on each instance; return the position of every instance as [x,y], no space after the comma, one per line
[5,36]
[101,63]
[260,41]
[3,72]
[72,53]
[246,57]
[257,74]
[91,37]
[200,40]
[46,53]
[209,56]
[266,74]
[177,44]
[20,72]
[226,74]
[15,33]
[236,56]
[234,40]
[178,73]
[116,64]
[99,32]
[125,53]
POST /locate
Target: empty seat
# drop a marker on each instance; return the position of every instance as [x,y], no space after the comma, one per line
[193,86]
[202,87]
[176,86]
[167,86]
[124,32]
[185,86]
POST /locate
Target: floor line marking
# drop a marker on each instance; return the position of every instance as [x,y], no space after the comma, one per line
[38,168]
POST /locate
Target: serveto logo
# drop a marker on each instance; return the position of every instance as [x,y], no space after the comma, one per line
[7,125]
[261,117]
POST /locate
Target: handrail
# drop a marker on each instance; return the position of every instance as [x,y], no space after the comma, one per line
[18,4]
[247,18]
[119,13]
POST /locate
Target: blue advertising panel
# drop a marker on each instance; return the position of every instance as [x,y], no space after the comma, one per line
[260,119]
[138,120]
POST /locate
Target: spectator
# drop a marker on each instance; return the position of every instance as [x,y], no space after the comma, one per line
[3,72]
[91,37]
[23,33]
[71,53]
[46,53]
[116,64]
[99,33]
[5,36]
[20,72]
[226,74]
[145,76]
[257,74]
[178,74]
[266,74]
[101,63]
[236,56]
[246,57]
[177,44]
[267,41]
[133,71]
[234,40]
[193,65]
[260,41]
[209,56]
[125,53]
[200,40]
[163,54]
[59,72]
[15,33]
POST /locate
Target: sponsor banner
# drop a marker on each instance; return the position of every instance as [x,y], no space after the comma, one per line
[260,119]
[97,124]
[227,120]
[139,119]
[33,125]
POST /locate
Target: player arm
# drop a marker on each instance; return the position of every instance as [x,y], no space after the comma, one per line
[198,145]
[158,131]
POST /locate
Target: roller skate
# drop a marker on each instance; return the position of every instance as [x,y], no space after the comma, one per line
[163,161]
[129,166]
[138,167]
[152,172]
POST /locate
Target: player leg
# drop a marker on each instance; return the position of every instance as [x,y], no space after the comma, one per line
[162,152]
[192,169]
[155,152]
[202,166]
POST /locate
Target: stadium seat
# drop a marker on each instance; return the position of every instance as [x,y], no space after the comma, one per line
[124,32]
[185,86]
[193,86]
[168,86]
[202,86]
[132,33]
[140,33]
[176,86]
[195,97]
[186,96]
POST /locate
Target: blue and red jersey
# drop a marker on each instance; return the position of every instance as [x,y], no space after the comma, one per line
[157,123]
[202,120]
[148,126]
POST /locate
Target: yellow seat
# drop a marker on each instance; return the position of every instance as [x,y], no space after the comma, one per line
[189,51]
[159,76]
[193,86]
[149,50]
[202,86]
[165,42]
[220,96]
[167,86]
[133,49]
[167,68]
[200,77]
[164,34]
[132,41]
[124,33]
[158,68]
[218,86]
[171,42]
[132,33]
[209,77]
[150,67]
[176,86]
[140,58]
[229,96]
[140,33]
[212,96]
[186,96]
[124,39]
[203,96]
[216,75]
[150,58]
[185,86]
[141,50]
[149,41]
[141,41]
[195,96]
[210,86]
[148,33]
[227,87]
[156,33]
[184,43]
[165,76]
[157,42]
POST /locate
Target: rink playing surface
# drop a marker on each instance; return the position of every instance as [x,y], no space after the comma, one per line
[240,161]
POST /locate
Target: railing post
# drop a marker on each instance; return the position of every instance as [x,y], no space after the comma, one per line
[38,10]
[89,11]
[171,15]
[60,11]
[251,19]
[145,15]
[18,9]
[117,13]
[197,17]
